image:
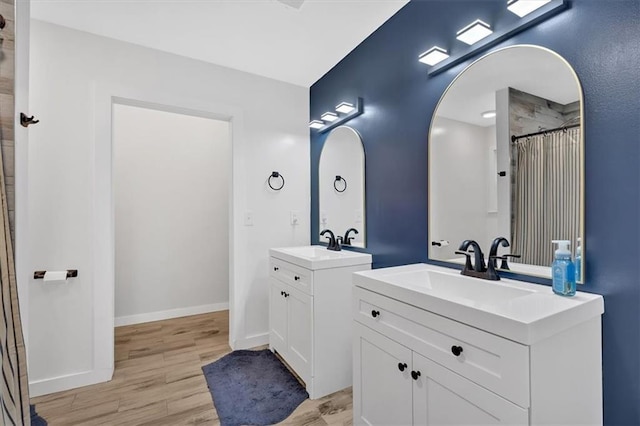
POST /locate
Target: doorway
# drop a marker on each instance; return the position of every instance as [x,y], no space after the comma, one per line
[171,184]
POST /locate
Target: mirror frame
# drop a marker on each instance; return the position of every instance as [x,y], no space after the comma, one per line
[582,158]
[364,188]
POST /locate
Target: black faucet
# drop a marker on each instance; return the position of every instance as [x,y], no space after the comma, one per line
[334,243]
[347,239]
[478,264]
[493,252]
[479,269]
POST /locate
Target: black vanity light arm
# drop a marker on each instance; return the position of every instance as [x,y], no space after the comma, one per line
[275,175]
[338,179]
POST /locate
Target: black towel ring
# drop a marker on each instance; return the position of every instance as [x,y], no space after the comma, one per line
[338,179]
[275,175]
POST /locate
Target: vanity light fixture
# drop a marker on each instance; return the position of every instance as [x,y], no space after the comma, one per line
[433,56]
[474,32]
[345,107]
[316,124]
[330,120]
[329,117]
[488,114]
[525,7]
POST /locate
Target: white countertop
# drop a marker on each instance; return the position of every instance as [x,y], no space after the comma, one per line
[517,310]
[318,257]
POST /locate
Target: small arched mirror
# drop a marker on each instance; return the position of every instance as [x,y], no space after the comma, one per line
[341,186]
[506,159]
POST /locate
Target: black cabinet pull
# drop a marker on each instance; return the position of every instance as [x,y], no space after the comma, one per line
[296,278]
[375,313]
[286,294]
[402,366]
[415,375]
[456,350]
[275,268]
[282,293]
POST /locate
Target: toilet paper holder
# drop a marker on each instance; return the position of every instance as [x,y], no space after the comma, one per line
[71,273]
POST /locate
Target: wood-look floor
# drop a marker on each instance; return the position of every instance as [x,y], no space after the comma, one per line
[158,380]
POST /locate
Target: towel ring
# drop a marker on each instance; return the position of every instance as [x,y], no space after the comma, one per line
[275,175]
[338,179]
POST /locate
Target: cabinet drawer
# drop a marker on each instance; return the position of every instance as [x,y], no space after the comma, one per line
[295,276]
[493,362]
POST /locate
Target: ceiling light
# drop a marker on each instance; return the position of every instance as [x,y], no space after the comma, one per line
[329,116]
[525,7]
[488,114]
[344,107]
[316,124]
[433,56]
[474,32]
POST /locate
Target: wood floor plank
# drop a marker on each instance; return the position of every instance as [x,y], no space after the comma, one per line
[158,380]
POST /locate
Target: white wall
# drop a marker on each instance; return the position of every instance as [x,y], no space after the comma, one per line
[171,194]
[74,78]
[458,186]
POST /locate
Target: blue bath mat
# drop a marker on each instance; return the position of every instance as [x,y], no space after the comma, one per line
[252,388]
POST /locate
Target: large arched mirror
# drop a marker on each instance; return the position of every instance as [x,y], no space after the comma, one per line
[506,159]
[341,186]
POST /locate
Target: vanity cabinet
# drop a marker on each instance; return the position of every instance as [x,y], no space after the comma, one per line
[413,366]
[310,320]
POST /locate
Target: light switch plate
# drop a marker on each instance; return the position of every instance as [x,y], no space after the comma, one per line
[295,217]
[248,218]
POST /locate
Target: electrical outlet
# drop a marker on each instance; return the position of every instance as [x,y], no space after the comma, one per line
[323,217]
[295,217]
[248,218]
[358,216]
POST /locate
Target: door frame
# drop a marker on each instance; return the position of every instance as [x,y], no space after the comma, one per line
[103,206]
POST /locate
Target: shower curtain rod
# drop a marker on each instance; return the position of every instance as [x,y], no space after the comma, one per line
[542,132]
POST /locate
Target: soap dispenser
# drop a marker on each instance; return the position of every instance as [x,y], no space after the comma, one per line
[562,270]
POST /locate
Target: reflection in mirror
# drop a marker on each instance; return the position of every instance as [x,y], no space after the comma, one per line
[341,186]
[506,159]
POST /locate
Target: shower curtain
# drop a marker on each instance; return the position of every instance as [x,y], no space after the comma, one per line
[14,391]
[545,194]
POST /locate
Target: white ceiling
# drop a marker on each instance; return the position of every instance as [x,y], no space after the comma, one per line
[529,69]
[295,41]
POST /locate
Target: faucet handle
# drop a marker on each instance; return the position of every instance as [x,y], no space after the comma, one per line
[467,264]
[504,264]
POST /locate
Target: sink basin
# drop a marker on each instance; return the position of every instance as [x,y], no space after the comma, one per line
[318,257]
[471,292]
[520,311]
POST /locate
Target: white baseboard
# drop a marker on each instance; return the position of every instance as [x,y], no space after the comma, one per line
[251,341]
[70,381]
[171,313]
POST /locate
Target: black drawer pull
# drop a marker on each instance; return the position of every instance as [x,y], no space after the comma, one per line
[286,294]
[296,278]
[275,268]
[375,313]
[402,366]
[456,350]
[415,375]
[282,293]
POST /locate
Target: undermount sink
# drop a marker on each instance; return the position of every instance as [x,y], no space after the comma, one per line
[520,311]
[318,257]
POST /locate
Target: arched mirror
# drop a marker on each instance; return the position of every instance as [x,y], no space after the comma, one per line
[341,186]
[506,159]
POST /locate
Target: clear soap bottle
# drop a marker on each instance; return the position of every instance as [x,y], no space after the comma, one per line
[563,270]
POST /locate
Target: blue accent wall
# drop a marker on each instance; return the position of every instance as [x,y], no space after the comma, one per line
[601,39]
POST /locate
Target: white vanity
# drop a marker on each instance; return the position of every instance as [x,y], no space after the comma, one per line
[434,347]
[310,313]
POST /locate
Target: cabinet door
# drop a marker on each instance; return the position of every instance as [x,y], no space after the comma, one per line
[442,397]
[277,317]
[299,332]
[381,392]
